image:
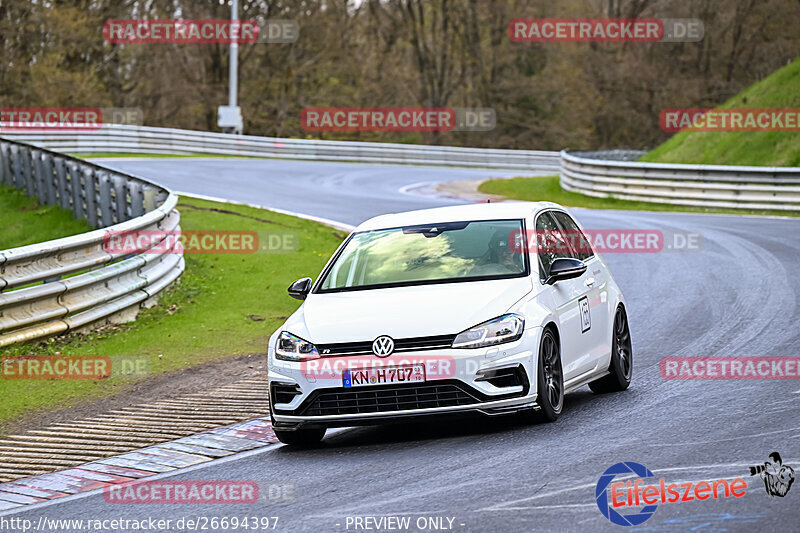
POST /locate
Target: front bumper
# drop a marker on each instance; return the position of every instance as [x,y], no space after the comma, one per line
[458,381]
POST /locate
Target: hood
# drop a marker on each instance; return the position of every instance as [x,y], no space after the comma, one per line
[401,312]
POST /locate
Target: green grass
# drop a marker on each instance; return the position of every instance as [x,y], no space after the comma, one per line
[549,189]
[779,90]
[24,221]
[224,305]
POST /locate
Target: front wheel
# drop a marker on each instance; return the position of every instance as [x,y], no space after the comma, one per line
[621,366]
[300,437]
[549,378]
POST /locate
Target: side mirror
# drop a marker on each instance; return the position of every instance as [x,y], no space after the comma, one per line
[300,288]
[565,268]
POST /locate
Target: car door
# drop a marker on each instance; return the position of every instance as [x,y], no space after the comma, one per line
[564,295]
[593,300]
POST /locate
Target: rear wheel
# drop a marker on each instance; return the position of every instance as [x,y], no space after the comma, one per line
[621,366]
[550,378]
[300,437]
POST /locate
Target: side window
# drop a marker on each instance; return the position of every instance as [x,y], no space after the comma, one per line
[550,243]
[576,238]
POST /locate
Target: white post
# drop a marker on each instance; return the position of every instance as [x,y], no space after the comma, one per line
[234,62]
[229,117]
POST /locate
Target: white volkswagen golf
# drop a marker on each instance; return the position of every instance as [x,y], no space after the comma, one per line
[487,308]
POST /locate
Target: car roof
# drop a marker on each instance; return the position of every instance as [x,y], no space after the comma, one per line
[482,211]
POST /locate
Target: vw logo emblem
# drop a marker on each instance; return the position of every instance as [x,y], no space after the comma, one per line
[383,346]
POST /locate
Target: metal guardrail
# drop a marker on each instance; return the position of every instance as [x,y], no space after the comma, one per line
[613,173]
[65,284]
[149,140]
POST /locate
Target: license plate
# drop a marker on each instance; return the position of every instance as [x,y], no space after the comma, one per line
[384,375]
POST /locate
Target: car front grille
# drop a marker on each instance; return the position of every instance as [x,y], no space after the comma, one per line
[387,398]
[412,344]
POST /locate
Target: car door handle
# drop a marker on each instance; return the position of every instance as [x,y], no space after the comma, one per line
[589,282]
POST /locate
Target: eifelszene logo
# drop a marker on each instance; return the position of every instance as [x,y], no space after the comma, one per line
[601,494]
[632,493]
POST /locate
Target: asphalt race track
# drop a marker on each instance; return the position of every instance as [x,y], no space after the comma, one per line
[344,192]
[735,295]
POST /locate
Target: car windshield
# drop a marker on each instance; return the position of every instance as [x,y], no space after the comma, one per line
[431,253]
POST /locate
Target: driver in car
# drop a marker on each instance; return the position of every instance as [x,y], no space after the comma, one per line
[500,258]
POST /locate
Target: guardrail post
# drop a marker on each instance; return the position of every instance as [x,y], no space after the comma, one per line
[16,168]
[38,176]
[61,183]
[137,199]
[149,199]
[26,156]
[75,175]
[48,188]
[5,159]
[90,196]
[104,187]
[121,197]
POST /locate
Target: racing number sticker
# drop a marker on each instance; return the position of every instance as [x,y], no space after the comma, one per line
[586,317]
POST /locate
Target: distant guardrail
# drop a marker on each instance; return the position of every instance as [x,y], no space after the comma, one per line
[150,140]
[615,173]
[58,286]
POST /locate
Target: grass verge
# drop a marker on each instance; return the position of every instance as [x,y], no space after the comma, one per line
[778,90]
[24,221]
[549,189]
[224,305]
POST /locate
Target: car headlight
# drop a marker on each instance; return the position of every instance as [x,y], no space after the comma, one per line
[292,348]
[506,328]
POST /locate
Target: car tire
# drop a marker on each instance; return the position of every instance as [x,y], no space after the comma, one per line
[549,378]
[300,437]
[621,366]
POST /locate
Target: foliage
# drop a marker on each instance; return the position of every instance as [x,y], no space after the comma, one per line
[372,53]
